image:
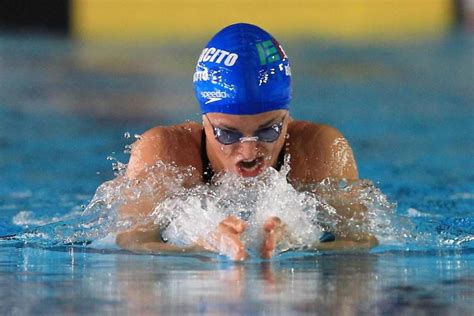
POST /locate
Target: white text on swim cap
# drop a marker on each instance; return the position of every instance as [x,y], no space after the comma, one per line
[215,55]
[287,69]
[201,75]
[213,96]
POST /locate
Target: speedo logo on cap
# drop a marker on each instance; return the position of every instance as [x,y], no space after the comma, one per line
[213,96]
[218,56]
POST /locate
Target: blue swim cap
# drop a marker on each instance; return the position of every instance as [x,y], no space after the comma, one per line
[242,70]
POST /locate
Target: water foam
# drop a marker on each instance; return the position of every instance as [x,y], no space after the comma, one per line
[186,215]
[194,214]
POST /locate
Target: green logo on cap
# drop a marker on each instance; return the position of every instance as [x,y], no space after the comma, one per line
[267,52]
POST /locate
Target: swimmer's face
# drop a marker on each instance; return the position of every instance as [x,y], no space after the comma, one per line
[247,157]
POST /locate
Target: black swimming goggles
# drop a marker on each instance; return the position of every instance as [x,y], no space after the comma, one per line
[266,134]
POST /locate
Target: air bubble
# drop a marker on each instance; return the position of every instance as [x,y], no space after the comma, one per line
[127,150]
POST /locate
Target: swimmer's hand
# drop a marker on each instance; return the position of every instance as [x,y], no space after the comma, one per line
[226,240]
[274,231]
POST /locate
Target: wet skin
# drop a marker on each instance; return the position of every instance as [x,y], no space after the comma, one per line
[248,158]
[316,152]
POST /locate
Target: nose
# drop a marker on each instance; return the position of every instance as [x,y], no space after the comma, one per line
[248,150]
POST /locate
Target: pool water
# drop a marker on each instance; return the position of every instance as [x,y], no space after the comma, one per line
[406,108]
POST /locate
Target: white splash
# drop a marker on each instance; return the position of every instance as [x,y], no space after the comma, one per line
[189,214]
[462,196]
[193,214]
[28,218]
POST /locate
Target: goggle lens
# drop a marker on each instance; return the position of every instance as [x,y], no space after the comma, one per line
[267,134]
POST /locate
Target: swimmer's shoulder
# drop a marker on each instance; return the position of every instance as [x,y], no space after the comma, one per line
[322,135]
[179,145]
[319,151]
[310,128]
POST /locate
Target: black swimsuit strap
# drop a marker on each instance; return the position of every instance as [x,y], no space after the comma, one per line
[208,172]
[281,159]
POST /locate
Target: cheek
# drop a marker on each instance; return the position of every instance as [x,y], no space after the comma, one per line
[225,152]
[267,150]
[272,151]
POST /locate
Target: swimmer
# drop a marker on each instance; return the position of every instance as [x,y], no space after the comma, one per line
[242,83]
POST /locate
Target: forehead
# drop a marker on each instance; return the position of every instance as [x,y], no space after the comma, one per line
[245,121]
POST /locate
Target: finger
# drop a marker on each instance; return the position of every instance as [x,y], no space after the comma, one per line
[267,250]
[235,224]
[269,243]
[274,231]
[239,253]
[271,223]
[226,241]
[232,246]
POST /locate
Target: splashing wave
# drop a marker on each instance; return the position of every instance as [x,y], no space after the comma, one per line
[187,214]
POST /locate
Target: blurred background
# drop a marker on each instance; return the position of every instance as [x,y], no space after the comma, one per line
[79,78]
[395,76]
[133,59]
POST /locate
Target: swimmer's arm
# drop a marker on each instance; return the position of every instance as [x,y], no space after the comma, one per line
[147,239]
[170,145]
[362,242]
[351,213]
[345,239]
[331,156]
[146,152]
[224,240]
[153,146]
[343,245]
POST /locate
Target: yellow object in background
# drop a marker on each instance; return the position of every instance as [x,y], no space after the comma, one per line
[143,20]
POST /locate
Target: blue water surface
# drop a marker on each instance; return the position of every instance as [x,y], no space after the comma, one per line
[406,108]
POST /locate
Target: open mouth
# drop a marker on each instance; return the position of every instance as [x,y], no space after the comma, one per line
[250,168]
[248,164]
